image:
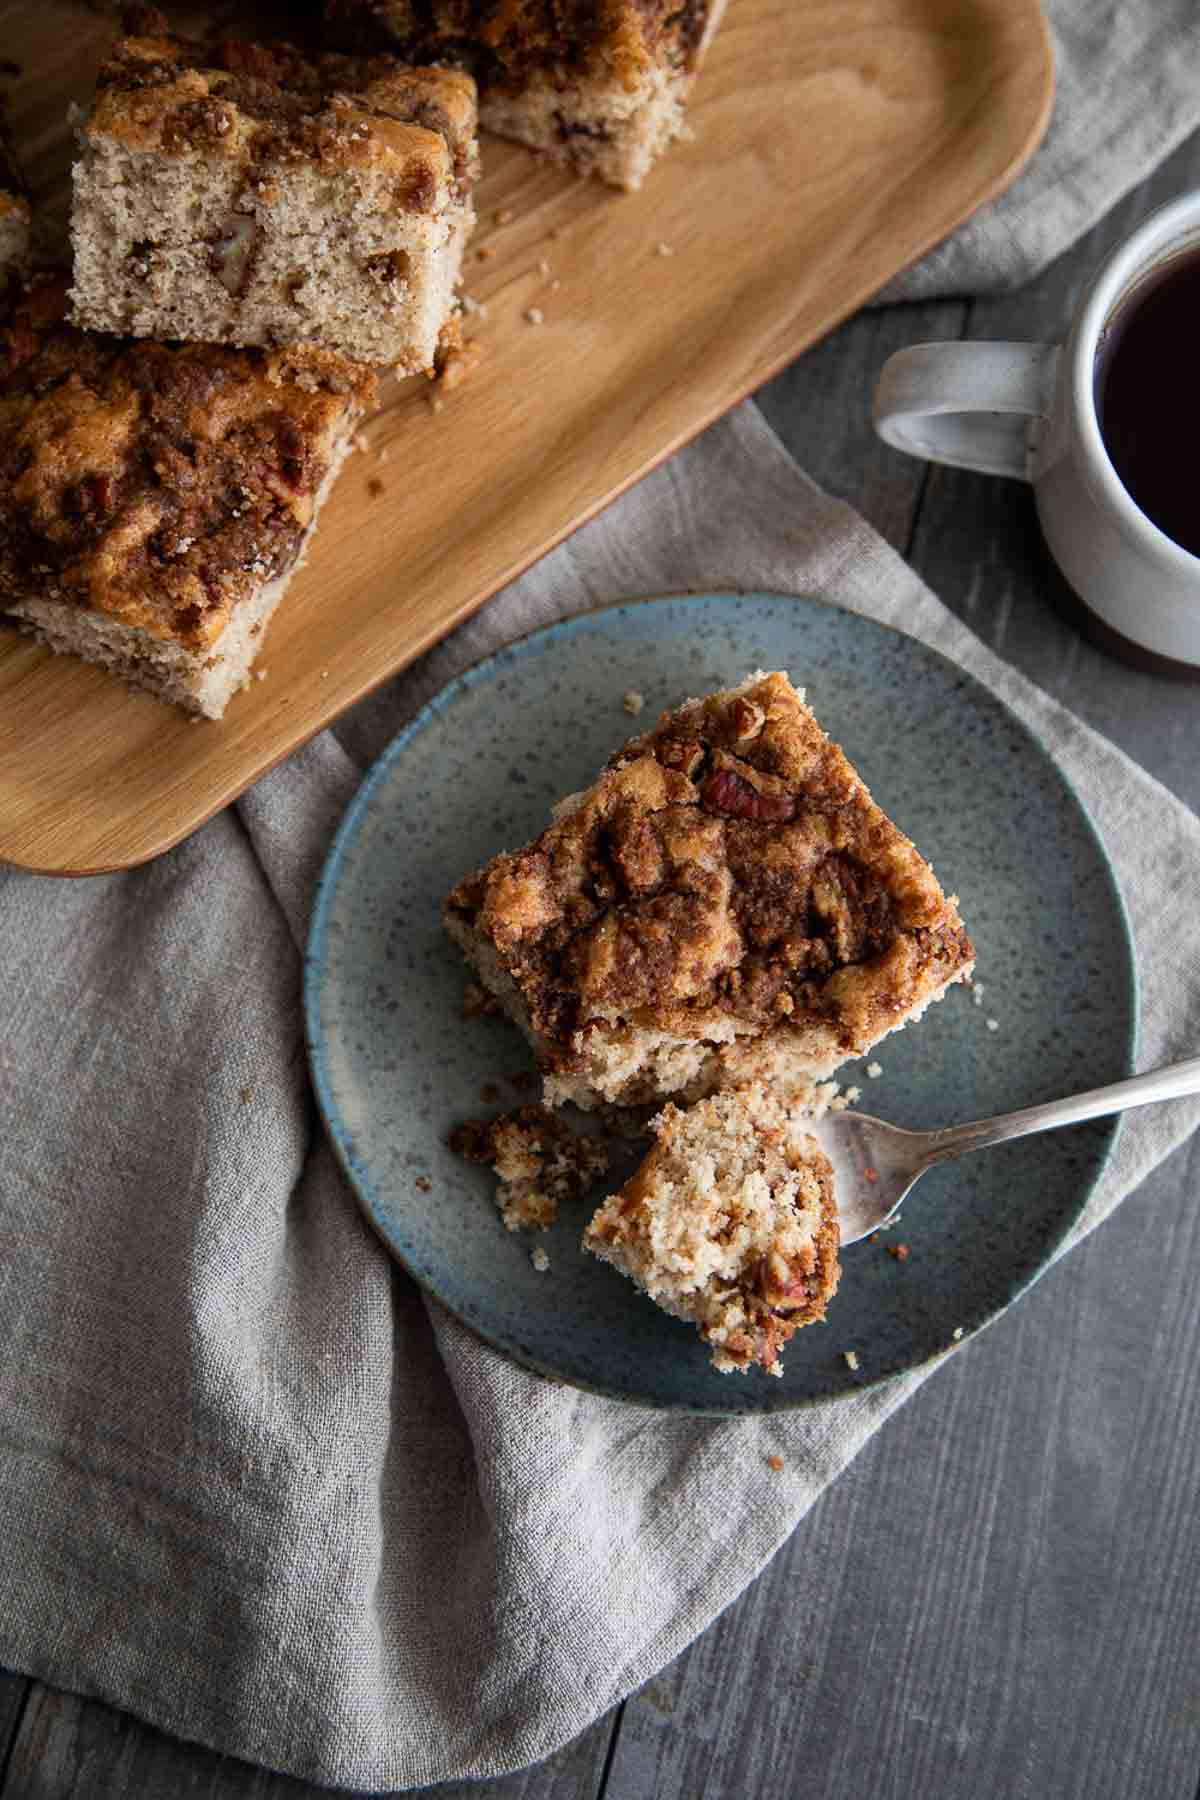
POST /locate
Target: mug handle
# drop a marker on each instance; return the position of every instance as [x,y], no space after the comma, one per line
[969,405]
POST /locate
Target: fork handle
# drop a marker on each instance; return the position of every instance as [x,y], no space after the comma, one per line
[1171,1083]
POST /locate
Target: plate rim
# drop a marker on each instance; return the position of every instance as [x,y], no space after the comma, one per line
[314,963]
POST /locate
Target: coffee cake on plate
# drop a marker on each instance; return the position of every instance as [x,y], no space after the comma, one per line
[726,903]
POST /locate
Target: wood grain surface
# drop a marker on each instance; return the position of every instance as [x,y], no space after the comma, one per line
[1001,1597]
[833,142]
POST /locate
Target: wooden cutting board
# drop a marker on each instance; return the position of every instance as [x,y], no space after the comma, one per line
[834,141]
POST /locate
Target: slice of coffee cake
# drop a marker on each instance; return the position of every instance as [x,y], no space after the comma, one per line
[155,500]
[248,195]
[599,84]
[729,1222]
[726,903]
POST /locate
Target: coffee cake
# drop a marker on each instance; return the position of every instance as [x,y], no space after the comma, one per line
[249,195]
[599,84]
[155,500]
[726,903]
[730,1222]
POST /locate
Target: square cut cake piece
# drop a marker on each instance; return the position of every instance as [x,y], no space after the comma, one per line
[730,1222]
[726,903]
[599,84]
[155,500]
[247,195]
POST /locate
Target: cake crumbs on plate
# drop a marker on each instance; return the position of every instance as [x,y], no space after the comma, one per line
[534,315]
[424,1184]
[776,1463]
[956,1334]
[993,1024]
[874,1071]
[977,993]
[539,1259]
[899,1251]
[633,702]
[851,1358]
[870,1174]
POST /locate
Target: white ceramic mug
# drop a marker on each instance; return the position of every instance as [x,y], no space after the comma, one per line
[1029,410]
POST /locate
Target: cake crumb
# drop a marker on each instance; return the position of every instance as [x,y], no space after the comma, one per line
[434,401]
[555,285]
[534,315]
[851,1357]
[977,992]
[375,487]
[261,674]
[537,1162]
[361,441]
[775,1462]
[544,268]
[477,1003]
[870,1174]
[874,1071]
[505,215]
[540,1260]
[424,1184]
[382,455]
[474,309]
[899,1251]
[665,249]
[957,1333]
[634,702]
[485,252]
[993,1024]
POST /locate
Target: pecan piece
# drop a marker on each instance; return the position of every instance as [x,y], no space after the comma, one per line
[231,254]
[729,793]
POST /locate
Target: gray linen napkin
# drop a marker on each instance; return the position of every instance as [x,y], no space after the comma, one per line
[255,1489]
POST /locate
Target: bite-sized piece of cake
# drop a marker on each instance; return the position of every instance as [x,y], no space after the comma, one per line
[14,216]
[247,195]
[599,84]
[726,903]
[155,500]
[538,1163]
[730,1222]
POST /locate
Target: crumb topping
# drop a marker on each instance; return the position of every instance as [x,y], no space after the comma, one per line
[504,42]
[271,104]
[729,865]
[159,484]
[538,1162]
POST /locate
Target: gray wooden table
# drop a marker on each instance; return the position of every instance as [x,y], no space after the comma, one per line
[1002,1595]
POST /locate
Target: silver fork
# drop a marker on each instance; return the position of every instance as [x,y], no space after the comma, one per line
[875,1165]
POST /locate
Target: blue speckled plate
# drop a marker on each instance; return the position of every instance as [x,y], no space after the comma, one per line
[396,1066]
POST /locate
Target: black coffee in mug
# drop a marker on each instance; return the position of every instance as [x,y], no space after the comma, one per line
[1148,396]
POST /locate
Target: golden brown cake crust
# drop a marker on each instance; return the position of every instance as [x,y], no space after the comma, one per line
[159,485]
[728,873]
[270,104]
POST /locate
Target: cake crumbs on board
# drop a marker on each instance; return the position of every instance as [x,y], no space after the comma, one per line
[874,1071]
[633,702]
[851,1358]
[539,1259]
[776,1463]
